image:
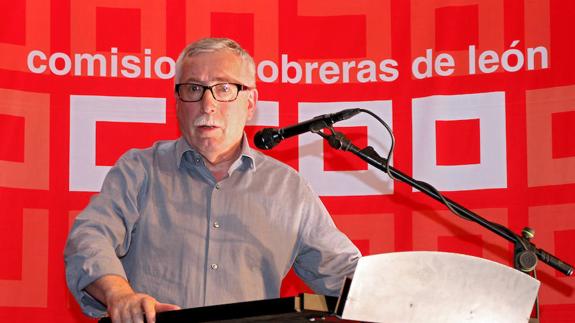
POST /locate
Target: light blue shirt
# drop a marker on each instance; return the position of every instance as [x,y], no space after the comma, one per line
[163,222]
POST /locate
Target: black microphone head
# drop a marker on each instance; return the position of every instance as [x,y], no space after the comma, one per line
[267,138]
[344,114]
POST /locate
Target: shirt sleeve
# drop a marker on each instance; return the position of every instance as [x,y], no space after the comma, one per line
[326,256]
[101,233]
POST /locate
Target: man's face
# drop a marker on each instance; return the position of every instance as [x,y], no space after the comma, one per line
[215,128]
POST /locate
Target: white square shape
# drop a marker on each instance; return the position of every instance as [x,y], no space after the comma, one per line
[85,111]
[345,183]
[489,108]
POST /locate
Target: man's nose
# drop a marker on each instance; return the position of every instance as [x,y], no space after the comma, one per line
[209,103]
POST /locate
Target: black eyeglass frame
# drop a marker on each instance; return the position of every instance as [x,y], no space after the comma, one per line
[239,86]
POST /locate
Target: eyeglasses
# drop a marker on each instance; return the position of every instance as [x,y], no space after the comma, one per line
[222,92]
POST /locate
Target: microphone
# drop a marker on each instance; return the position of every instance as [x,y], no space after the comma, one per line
[268,138]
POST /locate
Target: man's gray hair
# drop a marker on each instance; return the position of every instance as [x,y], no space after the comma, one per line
[211,45]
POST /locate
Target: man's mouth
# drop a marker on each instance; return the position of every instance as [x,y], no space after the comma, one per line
[207,128]
[206,123]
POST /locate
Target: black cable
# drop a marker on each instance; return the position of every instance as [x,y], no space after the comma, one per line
[431,187]
[392,147]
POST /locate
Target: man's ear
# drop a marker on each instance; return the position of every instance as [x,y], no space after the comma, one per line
[252,103]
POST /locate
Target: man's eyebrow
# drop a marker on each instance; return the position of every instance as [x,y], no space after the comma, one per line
[213,81]
[222,79]
[191,80]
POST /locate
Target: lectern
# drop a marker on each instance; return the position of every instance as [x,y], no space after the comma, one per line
[301,308]
[437,287]
[401,287]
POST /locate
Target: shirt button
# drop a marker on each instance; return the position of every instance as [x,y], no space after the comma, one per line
[218,186]
[216,224]
[214,266]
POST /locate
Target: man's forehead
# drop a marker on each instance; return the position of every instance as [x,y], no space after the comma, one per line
[222,65]
[219,55]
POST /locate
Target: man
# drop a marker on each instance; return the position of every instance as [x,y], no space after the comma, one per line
[205,219]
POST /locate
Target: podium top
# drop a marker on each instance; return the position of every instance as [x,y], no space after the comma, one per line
[301,308]
[438,287]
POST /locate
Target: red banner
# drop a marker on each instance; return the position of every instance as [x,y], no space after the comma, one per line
[480,95]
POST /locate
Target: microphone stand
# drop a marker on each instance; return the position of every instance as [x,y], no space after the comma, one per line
[525,252]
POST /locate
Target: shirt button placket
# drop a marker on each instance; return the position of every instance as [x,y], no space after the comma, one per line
[216,224]
[213,257]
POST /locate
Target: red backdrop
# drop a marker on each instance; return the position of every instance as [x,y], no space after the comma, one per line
[480,95]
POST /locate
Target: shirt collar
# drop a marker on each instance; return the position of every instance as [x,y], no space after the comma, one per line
[247,154]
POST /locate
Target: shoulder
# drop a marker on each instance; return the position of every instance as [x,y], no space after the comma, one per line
[163,149]
[265,163]
[282,175]
[136,165]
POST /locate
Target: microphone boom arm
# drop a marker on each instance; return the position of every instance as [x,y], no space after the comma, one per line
[526,253]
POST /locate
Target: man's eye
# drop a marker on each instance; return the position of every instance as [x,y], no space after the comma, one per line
[225,88]
[195,88]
